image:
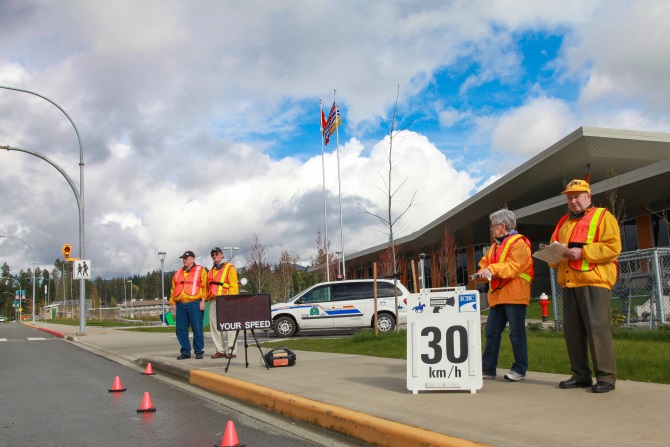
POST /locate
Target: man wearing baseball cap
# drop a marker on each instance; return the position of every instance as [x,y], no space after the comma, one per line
[587,275]
[187,298]
[221,280]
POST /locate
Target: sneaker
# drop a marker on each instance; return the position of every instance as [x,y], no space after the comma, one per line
[199,356]
[488,376]
[514,376]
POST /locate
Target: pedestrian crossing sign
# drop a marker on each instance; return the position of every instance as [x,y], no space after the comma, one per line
[81,269]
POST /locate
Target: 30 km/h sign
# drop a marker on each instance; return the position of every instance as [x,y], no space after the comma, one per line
[444,340]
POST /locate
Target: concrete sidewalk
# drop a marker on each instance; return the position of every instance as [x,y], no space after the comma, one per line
[367,397]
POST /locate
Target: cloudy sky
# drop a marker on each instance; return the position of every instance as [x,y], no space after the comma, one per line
[200,120]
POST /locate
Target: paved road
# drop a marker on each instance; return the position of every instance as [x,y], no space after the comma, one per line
[366,397]
[55,394]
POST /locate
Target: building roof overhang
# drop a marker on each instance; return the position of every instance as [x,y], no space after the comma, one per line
[635,163]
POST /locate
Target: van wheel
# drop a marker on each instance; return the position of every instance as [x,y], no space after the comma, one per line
[284,327]
[385,322]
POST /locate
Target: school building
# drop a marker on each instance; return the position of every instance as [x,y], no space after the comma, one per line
[633,166]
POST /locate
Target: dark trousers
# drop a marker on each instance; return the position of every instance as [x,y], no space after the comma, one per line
[498,318]
[586,316]
[189,314]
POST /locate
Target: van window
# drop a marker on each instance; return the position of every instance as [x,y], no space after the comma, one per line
[385,290]
[317,295]
[349,291]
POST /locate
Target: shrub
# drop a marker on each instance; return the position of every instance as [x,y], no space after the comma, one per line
[617,318]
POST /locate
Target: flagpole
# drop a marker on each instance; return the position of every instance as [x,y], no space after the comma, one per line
[323,170]
[339,187]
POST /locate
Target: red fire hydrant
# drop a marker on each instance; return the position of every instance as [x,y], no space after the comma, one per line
[544,304]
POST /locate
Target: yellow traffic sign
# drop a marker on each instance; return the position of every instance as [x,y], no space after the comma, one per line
[20,309]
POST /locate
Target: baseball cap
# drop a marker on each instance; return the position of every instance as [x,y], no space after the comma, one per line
[216,250]
[577,186]
[187,254]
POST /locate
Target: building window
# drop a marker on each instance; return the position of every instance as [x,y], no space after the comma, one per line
[461,267]
[629,236]
[427,273]
[659,228]
[410,281]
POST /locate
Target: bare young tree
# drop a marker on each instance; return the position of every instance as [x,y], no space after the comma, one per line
[616,207]
[320,262]
[447,255]
[282,277]
[258,269]
[386,267]
[388,217]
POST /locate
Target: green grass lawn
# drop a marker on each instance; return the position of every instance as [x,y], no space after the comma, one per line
[642,356]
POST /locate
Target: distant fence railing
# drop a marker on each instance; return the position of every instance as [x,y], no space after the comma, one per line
[642,290]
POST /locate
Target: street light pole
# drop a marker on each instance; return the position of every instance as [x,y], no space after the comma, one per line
[161,256]
[131,298]
[33,253]
[80,200]
[231,252]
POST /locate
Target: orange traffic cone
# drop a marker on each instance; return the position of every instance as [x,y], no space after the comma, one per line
[230,437]
[149,371]
[116,386]
[146,404]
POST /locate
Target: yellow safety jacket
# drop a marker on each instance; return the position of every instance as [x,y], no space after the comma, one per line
[222,281]
[498,253]
[601,252]
[584,233]
[517,261]
[189,286]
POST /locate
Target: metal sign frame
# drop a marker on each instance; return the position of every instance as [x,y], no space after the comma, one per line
[444,340]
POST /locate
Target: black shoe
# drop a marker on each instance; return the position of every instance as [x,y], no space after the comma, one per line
[572,383]
[183,356]
[199,356]
[602,387]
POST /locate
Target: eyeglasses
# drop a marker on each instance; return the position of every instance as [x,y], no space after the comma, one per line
[217,254]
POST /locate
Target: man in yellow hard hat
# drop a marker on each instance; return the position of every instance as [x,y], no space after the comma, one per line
[587,274]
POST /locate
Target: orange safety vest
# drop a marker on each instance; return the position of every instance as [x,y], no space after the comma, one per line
[191,284]
[496,255]
[585,233]
[217,287]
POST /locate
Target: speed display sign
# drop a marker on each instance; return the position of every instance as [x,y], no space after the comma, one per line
[444,340]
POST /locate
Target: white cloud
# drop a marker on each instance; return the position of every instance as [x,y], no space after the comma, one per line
[12,74]
[533,127]
[623,56]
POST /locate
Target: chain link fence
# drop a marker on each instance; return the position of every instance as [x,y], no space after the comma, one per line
[642,291]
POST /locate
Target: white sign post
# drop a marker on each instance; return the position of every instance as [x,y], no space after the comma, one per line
[81,269]
[444,347]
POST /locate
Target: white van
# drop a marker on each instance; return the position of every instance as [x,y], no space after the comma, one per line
[341,304]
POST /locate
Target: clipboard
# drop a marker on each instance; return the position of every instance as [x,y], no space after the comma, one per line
[551,254]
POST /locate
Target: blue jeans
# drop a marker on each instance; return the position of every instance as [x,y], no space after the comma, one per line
[189,314]
[498,317]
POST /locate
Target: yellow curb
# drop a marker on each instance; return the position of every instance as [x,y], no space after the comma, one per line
[370,429]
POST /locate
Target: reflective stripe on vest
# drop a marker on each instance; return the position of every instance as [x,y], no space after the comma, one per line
[584,233]
[216,286]
[189,284]
[494,258]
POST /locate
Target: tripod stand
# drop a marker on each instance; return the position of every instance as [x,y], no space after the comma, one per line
[246,345]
